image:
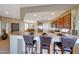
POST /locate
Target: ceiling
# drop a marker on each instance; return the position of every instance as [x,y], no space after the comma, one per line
[34,12]
[30,5]
[13,10]
[10,10]
[44,12]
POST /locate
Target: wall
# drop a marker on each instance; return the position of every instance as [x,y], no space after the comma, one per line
[21,27]
[12,9]
[0,27]
[46,27]
[8,27]
[75,18]
[5,23]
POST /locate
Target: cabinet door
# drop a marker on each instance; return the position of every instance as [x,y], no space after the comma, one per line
[60,23]
[57,23]
[67,21]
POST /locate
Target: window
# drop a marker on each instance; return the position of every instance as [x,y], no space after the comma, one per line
[26,26]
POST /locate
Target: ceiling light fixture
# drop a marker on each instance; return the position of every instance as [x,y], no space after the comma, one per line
[53,13]
[6,12]
[35,15]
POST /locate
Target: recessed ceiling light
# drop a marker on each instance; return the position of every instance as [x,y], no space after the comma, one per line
[53,13]
[35,15]
[6,12]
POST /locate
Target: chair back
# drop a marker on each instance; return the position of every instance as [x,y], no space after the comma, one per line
[68,42]
[45,40]
[28,39]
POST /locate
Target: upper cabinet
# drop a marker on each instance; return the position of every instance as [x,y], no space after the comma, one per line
[63,22]
[67,21]
[60,23]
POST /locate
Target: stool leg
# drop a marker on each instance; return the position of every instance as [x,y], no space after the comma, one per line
[26,50]
[32,50]
[40,50]
[54,48]
[36,48]
[71,51]
[49,50]
[29,49]
[62,50]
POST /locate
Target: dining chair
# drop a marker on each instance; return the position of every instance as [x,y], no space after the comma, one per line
[30,43]
[45,42]
[66,45]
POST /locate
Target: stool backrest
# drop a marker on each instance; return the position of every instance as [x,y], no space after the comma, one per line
[45,40]
[68,42]
[28,39]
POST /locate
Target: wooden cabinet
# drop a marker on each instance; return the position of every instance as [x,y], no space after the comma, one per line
[67,21]
[57,23]
[63,22]
[60,23]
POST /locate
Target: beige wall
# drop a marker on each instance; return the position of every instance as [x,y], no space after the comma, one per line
[46,26]
[75,18]
[8,21]
[0,27]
